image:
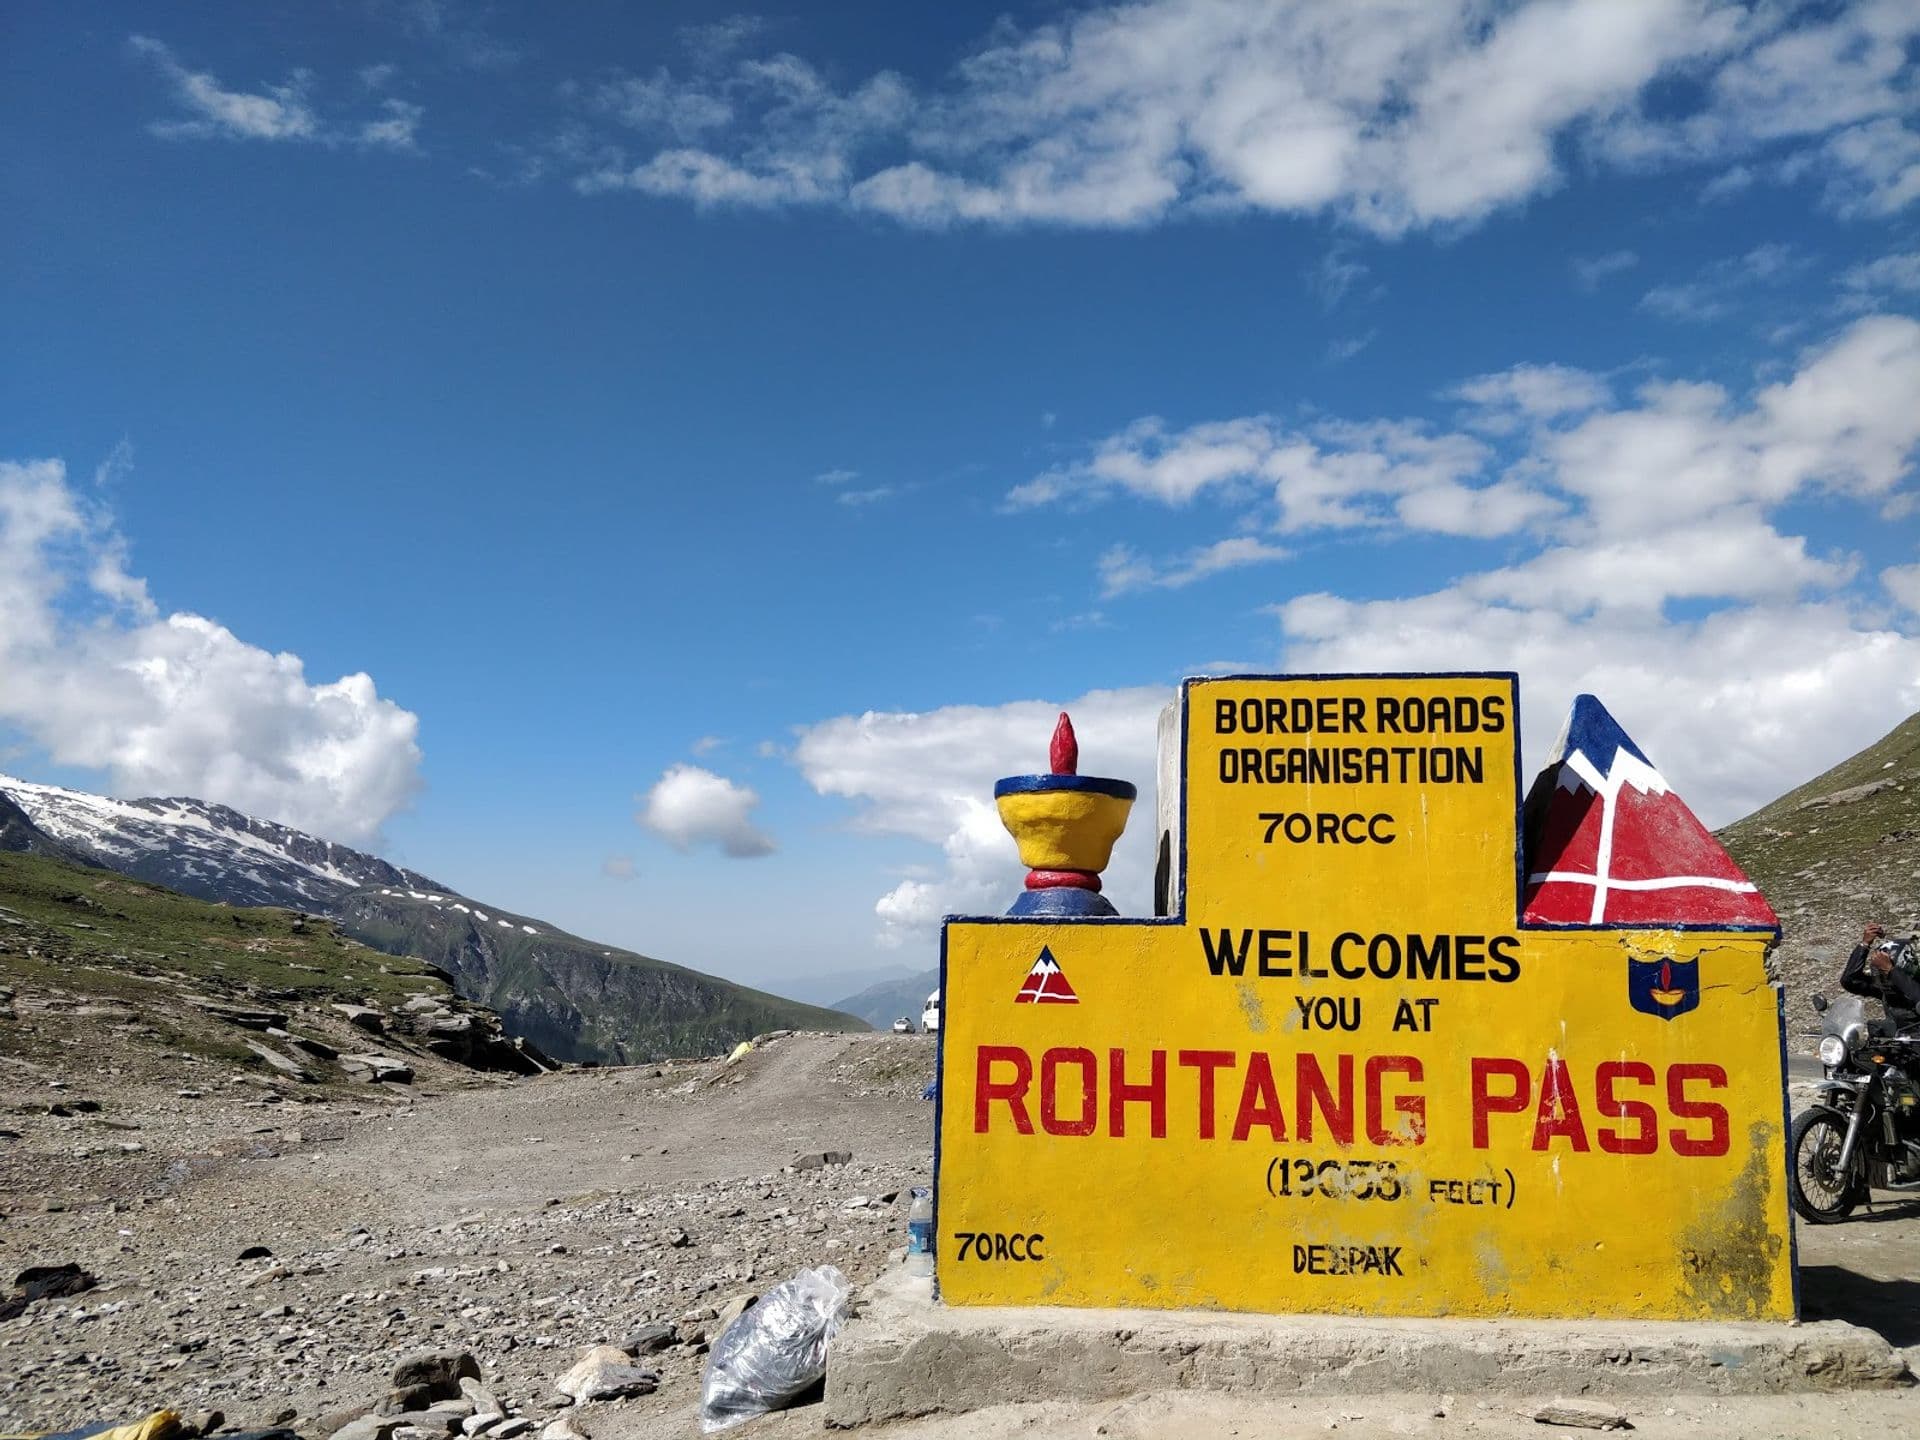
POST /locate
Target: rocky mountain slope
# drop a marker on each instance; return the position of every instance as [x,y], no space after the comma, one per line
[19,835]
[1840,850]
[154,986]
[573,998]
[880,1005]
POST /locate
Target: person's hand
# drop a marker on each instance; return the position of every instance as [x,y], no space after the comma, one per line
[1880,960]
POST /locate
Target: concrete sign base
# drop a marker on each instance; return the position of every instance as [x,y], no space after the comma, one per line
[904,1357]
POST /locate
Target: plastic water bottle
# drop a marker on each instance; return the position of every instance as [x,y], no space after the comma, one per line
[920,1232]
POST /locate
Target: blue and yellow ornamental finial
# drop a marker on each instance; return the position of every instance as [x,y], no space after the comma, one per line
[1065,824]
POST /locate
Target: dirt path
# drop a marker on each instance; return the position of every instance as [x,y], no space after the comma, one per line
[519,1222]
[608,1130]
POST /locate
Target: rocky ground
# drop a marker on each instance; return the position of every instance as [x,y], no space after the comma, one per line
[523,1222]
[264,1258]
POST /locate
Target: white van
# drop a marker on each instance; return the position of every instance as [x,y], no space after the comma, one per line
[930,1014]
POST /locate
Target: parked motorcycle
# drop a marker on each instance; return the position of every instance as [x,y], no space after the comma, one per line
[1863,1129]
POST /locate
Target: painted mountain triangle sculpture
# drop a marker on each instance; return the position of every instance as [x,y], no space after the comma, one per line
[1610,843]
[1377,1060]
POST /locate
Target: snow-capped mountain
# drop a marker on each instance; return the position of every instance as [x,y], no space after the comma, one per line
[20,834]
[204,850]
[576,999]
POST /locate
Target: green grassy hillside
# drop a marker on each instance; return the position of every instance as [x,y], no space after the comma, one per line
[122,930]
[143,955]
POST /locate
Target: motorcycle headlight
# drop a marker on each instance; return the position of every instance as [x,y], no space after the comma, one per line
[1833,1050]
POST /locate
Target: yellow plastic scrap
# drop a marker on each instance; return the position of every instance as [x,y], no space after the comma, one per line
[161,1425]
[742,1048]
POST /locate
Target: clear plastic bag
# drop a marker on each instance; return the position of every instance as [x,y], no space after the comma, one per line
[770,1356]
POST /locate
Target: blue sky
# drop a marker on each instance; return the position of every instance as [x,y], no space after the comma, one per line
[719,439]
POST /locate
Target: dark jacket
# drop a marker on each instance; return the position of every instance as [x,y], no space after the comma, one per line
[1896,989]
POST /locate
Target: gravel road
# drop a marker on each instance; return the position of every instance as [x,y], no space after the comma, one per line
[520,1221]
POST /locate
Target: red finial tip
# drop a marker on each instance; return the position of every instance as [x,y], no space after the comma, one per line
[1063,754]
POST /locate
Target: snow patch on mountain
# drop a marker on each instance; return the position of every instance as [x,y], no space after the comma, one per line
[204,849]
[448,901]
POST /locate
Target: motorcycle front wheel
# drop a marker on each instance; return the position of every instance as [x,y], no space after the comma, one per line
[1820,1193]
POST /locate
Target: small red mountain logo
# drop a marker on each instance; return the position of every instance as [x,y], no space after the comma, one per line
[1045,984]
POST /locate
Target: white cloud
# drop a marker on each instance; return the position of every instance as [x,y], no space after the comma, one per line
[1341,351]
[116,467]
[280,113]
[1121,570]
[711,42]
[1527,394]
[277,112]
[657,101]
[454,28]
[913,908]
[1844,423]
[1591,270]
[1483,512]
[1731,553]
[1716,290]
[1391,115]
[797,147]
[395,130]
[95,675]
[928,778]
[1873,169]
[836,477]
[1835,90]
[707,744]
[1864,285]
[1146,461]
[1805,78]
[1332,474]
[619,867]
[1619,484]
[872,496]
[1336,273]
[689,807]
[1903,583]
[1729,183]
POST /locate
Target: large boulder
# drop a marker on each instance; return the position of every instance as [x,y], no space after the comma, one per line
[440,1371]
[605,1373]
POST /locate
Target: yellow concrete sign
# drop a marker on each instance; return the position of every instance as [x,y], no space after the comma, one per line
[1380,1058]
